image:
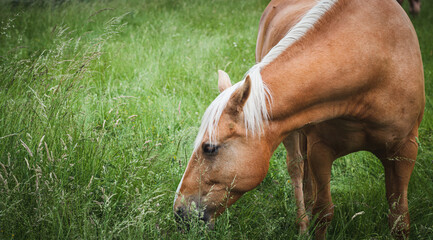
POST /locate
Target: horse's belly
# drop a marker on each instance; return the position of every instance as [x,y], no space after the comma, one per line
[345,136]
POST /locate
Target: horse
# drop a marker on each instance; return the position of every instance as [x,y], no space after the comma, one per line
[332,77]
[414,6]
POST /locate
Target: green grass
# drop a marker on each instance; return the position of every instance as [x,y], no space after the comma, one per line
[100,102]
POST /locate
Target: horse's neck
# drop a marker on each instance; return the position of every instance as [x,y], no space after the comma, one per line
[307,88]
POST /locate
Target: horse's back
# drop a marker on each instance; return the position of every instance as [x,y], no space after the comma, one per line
[382,25]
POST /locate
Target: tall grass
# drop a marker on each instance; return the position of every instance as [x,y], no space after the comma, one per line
[99,106]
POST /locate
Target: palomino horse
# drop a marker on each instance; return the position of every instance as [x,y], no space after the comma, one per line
[414,6]
[333,77]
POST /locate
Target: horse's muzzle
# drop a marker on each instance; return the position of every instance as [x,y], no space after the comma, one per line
[184,217]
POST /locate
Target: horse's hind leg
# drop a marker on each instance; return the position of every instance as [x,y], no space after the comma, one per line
[295,145]
[398,169]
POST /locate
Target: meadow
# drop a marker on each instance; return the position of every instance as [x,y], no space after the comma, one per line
[100,102]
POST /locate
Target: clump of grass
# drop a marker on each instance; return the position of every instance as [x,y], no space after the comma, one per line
[47,140]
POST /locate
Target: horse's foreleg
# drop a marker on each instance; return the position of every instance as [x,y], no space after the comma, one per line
[320,157]
[295,146]
[398,170]
[309,187]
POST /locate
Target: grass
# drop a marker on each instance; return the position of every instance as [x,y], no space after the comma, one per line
[100,102]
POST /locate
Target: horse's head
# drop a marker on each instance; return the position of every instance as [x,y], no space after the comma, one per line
[226,163]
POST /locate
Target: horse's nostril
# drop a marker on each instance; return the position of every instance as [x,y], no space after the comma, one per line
[205,216]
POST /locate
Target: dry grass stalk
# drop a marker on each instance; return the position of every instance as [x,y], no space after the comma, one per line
[27,148]
[48,152]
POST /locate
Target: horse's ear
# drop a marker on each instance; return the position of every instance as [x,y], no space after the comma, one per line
[223,80]
[240,96]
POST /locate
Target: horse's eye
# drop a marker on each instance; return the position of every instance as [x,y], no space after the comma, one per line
[210,149]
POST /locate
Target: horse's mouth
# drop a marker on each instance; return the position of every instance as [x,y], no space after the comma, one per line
[186,217]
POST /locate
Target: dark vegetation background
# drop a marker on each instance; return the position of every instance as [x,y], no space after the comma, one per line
[100,102]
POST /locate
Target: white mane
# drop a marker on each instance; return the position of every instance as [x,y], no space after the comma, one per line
[255,111]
